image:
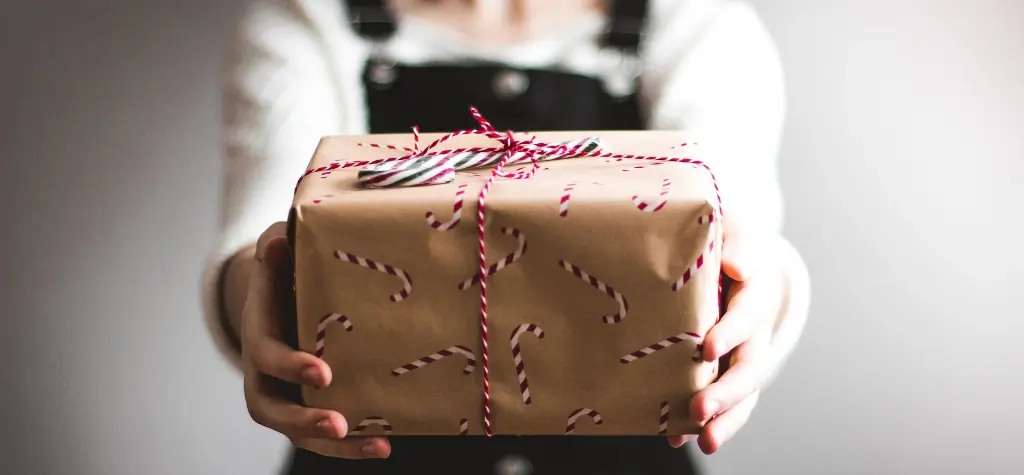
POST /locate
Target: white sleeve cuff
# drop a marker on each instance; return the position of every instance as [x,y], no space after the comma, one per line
[213,306]
[792,318]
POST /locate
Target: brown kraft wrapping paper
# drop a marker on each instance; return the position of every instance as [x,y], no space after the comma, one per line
[379,294]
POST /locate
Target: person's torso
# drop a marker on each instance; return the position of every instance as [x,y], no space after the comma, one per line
[582,79]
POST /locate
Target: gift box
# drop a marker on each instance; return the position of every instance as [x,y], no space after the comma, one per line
[601,276]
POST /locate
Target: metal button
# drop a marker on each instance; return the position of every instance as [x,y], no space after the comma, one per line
[513,465]
[620,73]
[619,87]
[382,74]
[510,84]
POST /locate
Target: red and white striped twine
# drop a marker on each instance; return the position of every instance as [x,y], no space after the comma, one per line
[517,356]
[599,285]
[509,146]
[321,330]
[386,147]
[639,167]
[463,426]
[387,269]
[570,423]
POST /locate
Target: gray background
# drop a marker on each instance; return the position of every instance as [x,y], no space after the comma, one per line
[902,166]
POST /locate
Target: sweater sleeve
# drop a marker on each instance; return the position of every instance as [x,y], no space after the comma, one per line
[278,101]
[713,69]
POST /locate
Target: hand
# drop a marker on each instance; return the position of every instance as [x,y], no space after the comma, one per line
[270,364]
[754,302]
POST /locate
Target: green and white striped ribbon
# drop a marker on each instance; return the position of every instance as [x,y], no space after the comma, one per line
[440,168]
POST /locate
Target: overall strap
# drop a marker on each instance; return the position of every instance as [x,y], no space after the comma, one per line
[371,19]
[626,22]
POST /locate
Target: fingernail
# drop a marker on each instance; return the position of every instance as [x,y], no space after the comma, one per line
[261,251]
[710,356]
[311,375]
[369,449]
[682,441]
[325,427]
[710,410]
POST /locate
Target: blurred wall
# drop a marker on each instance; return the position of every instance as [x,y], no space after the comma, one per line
[901,166]
[110,181]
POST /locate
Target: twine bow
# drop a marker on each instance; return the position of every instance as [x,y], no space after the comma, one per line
[418,167]
[421,168]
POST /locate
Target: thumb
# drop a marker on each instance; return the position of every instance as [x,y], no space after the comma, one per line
[271,237]
[276,255]
[270,302]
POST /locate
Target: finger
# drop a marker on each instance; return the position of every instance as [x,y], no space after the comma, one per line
[355,448]
[722,428]
[751,309]
[262,343]
[274,358]
[744,377]
[290,419]
[677,441]
[743,254]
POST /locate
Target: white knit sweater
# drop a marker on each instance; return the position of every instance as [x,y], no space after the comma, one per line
[294,75]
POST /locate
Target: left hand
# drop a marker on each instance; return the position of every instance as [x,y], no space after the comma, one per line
[746,329]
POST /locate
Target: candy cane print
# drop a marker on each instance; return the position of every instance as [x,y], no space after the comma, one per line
[463,426]
[372,421]
[597,284]
[434,357]
[692,270]
[369,264]
[570,424]
[321,330]
[663,344]
[517,356]
[663,420]
[456,212]
[563,206]
[505,262]
[666,186]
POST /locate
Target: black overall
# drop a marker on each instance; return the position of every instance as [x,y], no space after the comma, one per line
[437,99]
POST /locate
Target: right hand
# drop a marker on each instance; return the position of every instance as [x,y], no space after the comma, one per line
[270,364]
